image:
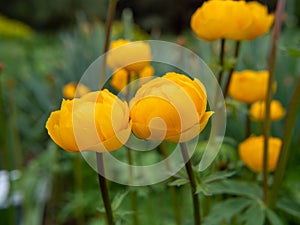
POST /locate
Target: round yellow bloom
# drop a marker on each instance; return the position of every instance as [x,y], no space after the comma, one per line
[172,107]
[72,90]
[257,110]
[251,153]
[249,86]
[98,121]
[132,56]
[221,19]
[236,20]
[261,21]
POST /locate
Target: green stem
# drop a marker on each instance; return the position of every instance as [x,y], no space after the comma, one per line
[175,205]
[102,181]
[289,127]
[271,68]
[248,122]
[189,170]
[104,189]
[78,183]
[133,196]
[109,21]
[222,54]
[236,55]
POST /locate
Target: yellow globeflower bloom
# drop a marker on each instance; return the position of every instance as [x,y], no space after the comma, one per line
[251,153]
[172,107]
[96,122]
[221,19]
[257,110]
[261,20]
[249,86]
[72,90]
[132,56]
[120,77]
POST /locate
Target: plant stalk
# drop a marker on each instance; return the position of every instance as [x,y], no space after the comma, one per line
[104,189]
[108,25]
[189,170]
[174,197]
[271,68]
[289,127]
[236,55]
[222,55]
[248,122]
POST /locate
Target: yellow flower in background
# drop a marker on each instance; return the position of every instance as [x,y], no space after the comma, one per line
[249,86]
[120,77]
[72,90]
[261,20]
[132,56]
[98,121]
[251,153]
[14,28]
[221,19]
[235,20]
[172,107]
[257,110]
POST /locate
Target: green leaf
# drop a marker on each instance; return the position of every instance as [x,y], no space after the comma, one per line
[118,200]
[234,187]
[178,182]
[204,189]
[273,218]
[289,206]
[226,210]
[254,215]
[293,52]
[218,176]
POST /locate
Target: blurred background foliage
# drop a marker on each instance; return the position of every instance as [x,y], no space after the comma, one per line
[149,14]
[46,44]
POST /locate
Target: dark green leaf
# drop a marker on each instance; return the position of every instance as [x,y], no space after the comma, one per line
[255,214]
[226,210]
[235,188]
[273,218]
[218,176]
[179,182]
[289,206]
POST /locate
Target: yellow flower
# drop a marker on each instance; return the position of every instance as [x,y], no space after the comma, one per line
[120,77]
[249,86]
[257,110]
[132,56]
[251,153]
[172,107]
[10,28]
[236,20]
[98,121]
[72,90]
[221,19]
[261,20]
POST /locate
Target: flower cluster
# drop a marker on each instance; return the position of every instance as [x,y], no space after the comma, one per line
[251,87]
[229,19]
[172,108]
